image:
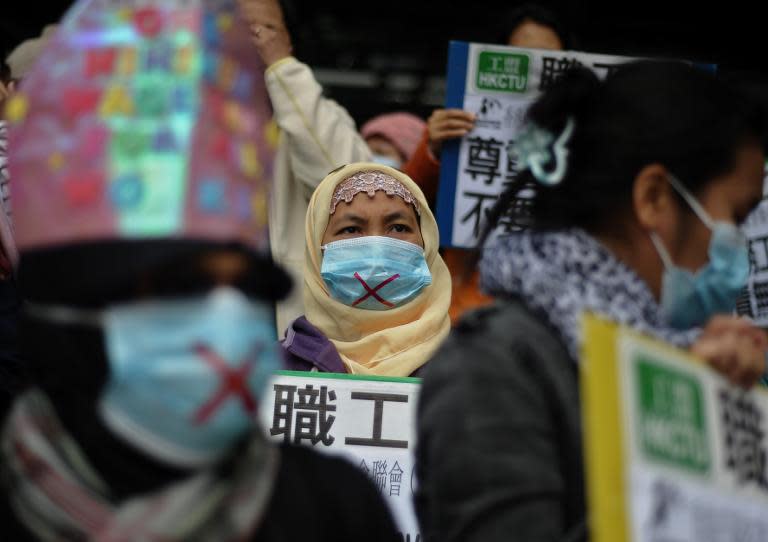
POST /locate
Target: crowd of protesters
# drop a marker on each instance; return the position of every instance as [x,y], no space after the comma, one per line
[132,280]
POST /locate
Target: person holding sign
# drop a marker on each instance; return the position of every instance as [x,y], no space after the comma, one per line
[529,25]
[376,290]
[640,183]
[149,325]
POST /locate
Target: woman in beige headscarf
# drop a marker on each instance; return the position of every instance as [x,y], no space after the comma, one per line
[376,291]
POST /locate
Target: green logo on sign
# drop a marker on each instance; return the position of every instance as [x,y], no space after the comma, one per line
[673,426]
[505,72]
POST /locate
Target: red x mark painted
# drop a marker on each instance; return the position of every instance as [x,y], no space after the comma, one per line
[372,291]
[234,381]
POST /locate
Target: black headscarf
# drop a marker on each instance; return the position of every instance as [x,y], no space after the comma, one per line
[69,363]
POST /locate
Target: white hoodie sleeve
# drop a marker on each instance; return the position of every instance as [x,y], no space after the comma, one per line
[319,133]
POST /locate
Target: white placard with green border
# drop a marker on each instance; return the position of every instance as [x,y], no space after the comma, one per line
[674,453]
[369,420]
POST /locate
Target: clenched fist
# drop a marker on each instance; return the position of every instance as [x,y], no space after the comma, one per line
[268,30]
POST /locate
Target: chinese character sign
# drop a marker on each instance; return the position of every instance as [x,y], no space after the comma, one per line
[497,84]
[754,300]
[371,421]
[673,451]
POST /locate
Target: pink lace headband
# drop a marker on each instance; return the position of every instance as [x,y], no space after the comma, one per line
[369,182]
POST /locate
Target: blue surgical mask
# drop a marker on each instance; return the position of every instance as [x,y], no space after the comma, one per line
[385,160]
[689,300]
[185,376]
[375,273]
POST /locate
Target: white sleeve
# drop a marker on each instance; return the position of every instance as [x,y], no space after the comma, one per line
[319,133]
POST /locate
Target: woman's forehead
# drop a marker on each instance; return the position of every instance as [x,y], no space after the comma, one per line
[379,204]
[371,182]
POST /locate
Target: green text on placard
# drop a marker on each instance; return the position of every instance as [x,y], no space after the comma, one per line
[672,419]
[504,72]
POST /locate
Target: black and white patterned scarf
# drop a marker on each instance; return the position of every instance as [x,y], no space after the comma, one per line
[565,273]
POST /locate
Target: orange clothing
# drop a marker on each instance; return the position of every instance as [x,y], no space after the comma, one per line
[424,169]
[465,287]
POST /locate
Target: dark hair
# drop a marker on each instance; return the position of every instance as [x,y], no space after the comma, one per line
[539,14]
[646,112]
[5,72]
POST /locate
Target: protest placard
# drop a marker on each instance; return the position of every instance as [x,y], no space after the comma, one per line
[673,451]
[497,84]
[368,420]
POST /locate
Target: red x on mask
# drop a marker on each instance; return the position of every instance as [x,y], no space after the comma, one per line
[233,382]
[374,291]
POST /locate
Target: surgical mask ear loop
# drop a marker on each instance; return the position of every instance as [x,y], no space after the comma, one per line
[692,202]
[698,211]
[662,250]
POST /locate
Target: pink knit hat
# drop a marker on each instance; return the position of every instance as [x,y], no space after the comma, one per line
[142,121]
[403,130]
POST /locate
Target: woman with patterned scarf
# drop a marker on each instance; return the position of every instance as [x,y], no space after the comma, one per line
[635,188]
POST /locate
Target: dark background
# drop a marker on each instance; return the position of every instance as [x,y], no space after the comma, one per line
[391,55]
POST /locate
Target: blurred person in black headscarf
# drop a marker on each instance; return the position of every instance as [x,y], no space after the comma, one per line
[149,296]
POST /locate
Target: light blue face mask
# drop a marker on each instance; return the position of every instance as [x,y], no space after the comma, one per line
[375,273]
[185,376]
[385,160]
[689,300]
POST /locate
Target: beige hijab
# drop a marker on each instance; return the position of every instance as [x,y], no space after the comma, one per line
[393,342]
